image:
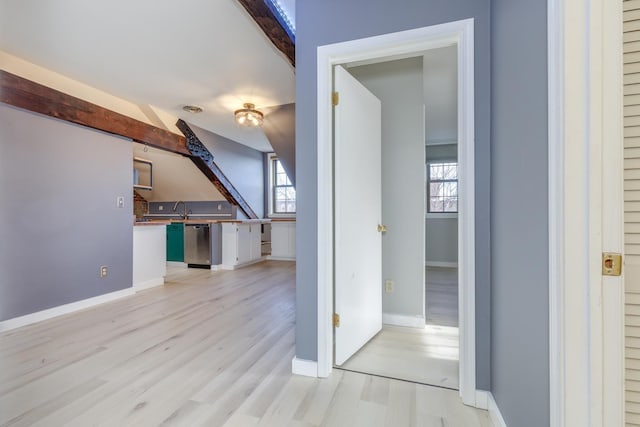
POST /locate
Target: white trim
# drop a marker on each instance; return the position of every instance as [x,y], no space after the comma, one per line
[177,264]
[441,215]
[555,71]
[280,258]
[585,80]
[435,142]
[237,266]
[152,283]
[49,313]
[482,399]
[611,136]
[494,412]
[444,264]
[307,368]
[403,320]
[412,42]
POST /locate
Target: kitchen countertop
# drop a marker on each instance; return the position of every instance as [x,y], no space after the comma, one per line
[200,221]
[148,223]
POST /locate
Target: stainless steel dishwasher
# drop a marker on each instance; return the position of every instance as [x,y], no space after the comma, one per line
[197,244]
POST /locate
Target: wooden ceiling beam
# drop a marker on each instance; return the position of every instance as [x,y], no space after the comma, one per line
[272,27]
[22,93]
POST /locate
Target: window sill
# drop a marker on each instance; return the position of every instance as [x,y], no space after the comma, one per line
[441,215]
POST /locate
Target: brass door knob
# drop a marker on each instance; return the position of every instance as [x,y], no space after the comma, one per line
[382,228]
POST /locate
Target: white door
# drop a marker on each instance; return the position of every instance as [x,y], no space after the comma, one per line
[358,210]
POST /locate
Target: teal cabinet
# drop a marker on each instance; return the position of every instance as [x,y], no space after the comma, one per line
[175,242]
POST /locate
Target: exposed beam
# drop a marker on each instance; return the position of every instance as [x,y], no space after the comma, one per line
[272,27]
[23,93]
[203,159]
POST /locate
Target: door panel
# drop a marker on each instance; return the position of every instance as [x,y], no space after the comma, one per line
[358,210]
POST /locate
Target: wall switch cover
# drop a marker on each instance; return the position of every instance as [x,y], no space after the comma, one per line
[120,201]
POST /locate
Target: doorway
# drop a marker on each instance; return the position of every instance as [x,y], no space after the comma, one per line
[396,46]
[419,337]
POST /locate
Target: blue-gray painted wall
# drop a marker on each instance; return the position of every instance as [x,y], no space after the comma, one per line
[242,165]
[60,223]
[519,257]
[357,19]
[511,185]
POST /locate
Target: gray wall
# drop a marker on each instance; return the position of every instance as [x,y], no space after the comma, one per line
[280,129]
[441,240]
[441,234]
[58,187]
[520,309]
[243,166]
[356,19]
[398,85]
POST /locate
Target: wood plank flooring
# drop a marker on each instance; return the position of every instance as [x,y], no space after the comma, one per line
[208,348]
[428,355]
[441,303]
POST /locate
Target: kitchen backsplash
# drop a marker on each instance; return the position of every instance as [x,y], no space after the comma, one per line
[218,209]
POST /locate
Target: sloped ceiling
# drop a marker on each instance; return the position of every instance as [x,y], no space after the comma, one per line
[161,53]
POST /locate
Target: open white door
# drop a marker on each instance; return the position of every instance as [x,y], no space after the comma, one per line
[358,210]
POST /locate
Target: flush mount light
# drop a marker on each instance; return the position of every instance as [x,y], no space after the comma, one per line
[249,116]
[192,109]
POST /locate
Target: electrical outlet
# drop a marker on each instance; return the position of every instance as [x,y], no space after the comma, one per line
[160,208]
[388,286]
[103,271]
[120,201]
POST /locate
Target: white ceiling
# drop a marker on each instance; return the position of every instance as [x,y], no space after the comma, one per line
[163,53]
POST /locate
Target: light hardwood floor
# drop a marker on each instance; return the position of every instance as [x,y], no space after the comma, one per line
[426,355]
[208,348]
[441,302]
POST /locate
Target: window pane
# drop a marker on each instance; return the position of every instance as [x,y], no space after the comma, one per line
[450,204]
[436,171]
[436,204]
[435,189]
[450,189]
[450,171]
[281,179]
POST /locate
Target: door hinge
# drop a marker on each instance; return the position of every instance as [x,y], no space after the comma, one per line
[336,320]
[611,264]
[335,98]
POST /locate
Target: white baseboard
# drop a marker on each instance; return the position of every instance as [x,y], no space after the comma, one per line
[49,313]
[280,258]
[441,264]
[176,264]
[494,412]
[158,281]
[307,368]
[403,320]
[482,399]
[235,267]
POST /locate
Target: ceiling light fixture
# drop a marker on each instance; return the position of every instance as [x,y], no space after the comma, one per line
[249,116]
[192,109]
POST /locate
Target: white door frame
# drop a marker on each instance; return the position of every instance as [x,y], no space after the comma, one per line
[585,212]
[402,44]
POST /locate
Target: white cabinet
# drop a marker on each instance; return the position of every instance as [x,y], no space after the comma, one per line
[283,240]
[149,255]
[240,244]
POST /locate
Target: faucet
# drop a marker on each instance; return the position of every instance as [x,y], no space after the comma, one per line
[184,215]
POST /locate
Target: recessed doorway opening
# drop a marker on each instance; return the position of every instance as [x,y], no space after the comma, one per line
[403,45]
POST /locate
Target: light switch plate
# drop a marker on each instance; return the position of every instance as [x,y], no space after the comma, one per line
[120,201]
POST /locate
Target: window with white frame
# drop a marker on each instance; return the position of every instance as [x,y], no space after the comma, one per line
[282,194]
[442,187]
